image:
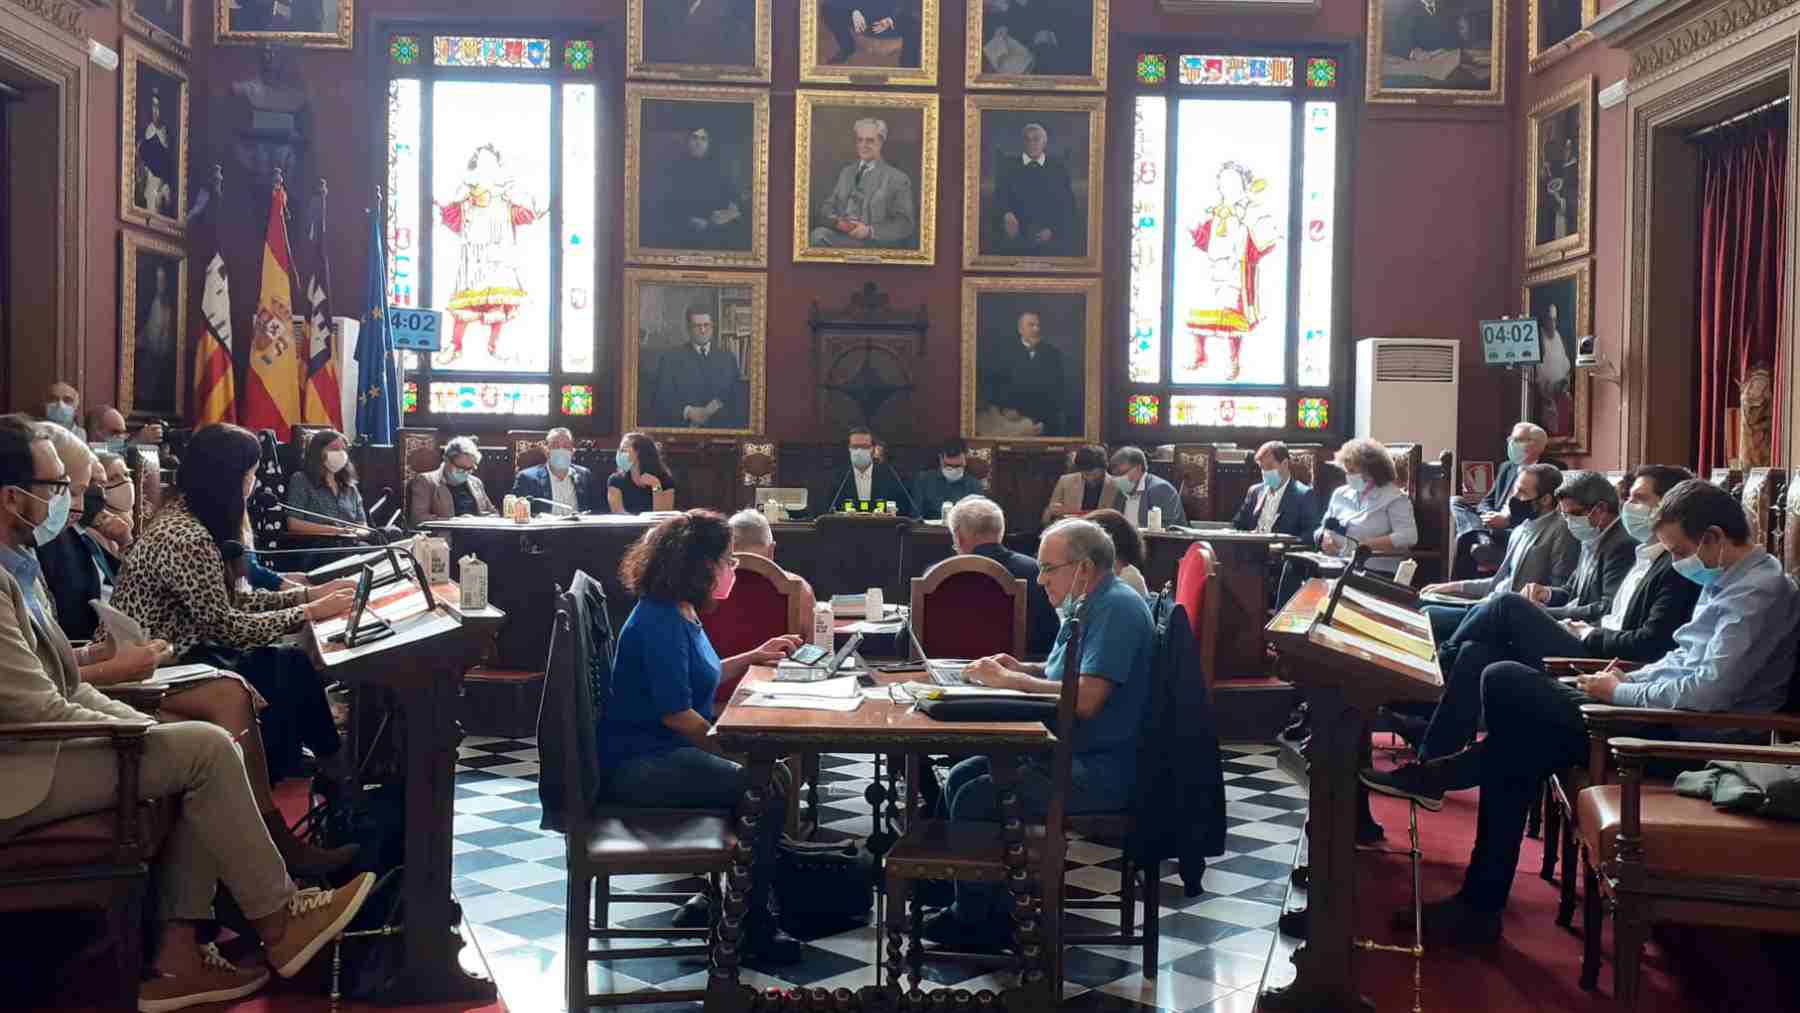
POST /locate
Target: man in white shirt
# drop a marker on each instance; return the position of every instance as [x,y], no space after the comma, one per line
[1278,504]
[559,479]
[869,483]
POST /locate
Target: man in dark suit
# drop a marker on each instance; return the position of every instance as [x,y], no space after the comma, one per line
[1034,203]
[868,484]
[977,528]
[880,19]
[699,209]
[1482,528]
[697,384]
[949,482]
[1024,381]
[560,479]
[1279,504]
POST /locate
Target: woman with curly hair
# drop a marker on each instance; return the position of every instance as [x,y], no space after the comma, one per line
[654,747]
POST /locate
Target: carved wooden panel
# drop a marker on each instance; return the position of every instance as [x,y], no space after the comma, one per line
[526,447]
[1193,472]
[1790,530]
[417,450]
[1762,490]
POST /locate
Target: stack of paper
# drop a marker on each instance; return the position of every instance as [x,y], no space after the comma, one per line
[827,695]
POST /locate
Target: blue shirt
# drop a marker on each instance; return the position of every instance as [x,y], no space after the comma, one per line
[24,568]
[1735,654]
[1118,644]
[665,665]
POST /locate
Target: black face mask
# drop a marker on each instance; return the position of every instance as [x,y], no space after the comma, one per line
[92,502]
[1522,510]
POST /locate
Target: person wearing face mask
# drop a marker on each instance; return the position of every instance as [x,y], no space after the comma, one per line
[1540,551]
[868,483]
[1135,491]
[106,427]
[1735,654]
[1279,504]
[655,750]
[452,489]
[949,482]
[640,476]
[1483,525]
[1370,508]
[1085,488]
[111,526]
[62,403]
[325,485]
[1118,648]
[76,570]
[559,479]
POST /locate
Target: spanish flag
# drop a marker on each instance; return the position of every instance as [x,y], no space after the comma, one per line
[272,393]
[215,389]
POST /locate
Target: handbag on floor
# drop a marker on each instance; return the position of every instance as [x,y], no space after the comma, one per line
[821,887]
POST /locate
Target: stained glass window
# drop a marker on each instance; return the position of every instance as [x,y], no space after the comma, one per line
[1238,71]
[1321,72]
[577,399]
[1318,187]
[490,51]
[579,119]
[1147,211]
[1152,68]
[578,54]
[404,50]
[403,191]
[409,398]
[1236,412]
[1143,409]
[490,398]
[1315,412]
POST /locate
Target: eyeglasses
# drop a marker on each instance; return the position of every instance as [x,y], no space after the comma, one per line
[1053,567]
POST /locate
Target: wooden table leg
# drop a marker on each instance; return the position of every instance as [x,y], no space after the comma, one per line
[1021,878]
[724,993]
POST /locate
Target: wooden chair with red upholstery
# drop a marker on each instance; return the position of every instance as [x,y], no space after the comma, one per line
[969,607]
[1191,578]
[1193,468]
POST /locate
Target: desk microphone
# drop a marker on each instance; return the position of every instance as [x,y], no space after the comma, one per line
[385,493]
[555,506]
[356,529]
[831,504]
[912,509]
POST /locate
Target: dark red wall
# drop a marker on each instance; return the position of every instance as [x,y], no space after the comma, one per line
[1434,195]
[99,382]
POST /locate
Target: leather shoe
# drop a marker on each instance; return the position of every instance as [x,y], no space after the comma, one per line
[767,943]
[1293,923]
[1452,921]
[694,913]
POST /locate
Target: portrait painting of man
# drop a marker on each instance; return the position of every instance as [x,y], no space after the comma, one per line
[698,185]
[869,41]
[324,24]
[695,350]
[1055,44]
[153,152]
[168,16]
[1033,182]
[699,40]
[1551,23]
[866,177]
[1036,348]
[1560,141]
[1453,48]
[153,310]
[1557,395]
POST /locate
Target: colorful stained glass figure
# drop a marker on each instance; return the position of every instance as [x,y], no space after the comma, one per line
[1318,176]
[1321,72]
[1237,71]
[1149,154]
[578,54]
[1315,412]
[579,172]
[577,399]
[409,398]
[1152,68]
[1237,412]
[402,204]
[1143,409]
[491,51]
[490,398]
[1231,266]
[404,49]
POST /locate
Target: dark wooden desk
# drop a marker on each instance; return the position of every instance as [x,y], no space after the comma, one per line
[765,734]
[422,662]
[1243,558]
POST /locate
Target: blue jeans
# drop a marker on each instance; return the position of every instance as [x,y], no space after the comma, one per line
[1508,628]
[1097,782]
[692,778]
[1444,620]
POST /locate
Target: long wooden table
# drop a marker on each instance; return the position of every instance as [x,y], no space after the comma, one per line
[422,662]
[878,726]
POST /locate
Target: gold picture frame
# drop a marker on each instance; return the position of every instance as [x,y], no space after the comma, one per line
[1552,231]
[981,418]
[642,62]
[844,109]
[981,229]
[146,200]
[977,60]
[1420,81]
[166,358]
[1541,52]
[815,71]
[737,331]
[1569,287]
[178,37]
[337,32]
[649,241]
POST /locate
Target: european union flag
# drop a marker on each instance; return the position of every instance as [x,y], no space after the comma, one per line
[377,399]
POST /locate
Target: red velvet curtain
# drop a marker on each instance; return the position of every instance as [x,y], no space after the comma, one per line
[1742,169]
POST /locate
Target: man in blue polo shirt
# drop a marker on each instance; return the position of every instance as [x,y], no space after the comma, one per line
[1118,647]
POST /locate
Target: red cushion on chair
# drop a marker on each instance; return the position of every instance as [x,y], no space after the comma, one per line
[1190,581]
[968,616]
[755,612]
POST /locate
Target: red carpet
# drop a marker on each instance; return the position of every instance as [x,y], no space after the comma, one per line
[1537,965]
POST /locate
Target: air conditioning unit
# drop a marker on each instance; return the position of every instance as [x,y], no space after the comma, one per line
[1406,391]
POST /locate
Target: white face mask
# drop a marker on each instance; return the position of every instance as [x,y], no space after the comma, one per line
[336,460]
[119,497]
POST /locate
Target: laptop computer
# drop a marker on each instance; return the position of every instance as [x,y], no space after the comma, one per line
[943,671]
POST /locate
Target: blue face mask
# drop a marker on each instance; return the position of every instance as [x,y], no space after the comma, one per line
[861,457]
[561,458]
[45,531]
[1124,484]
[60,413]
[1636,517]
[1357,483]
[1694,569]
[1515,451]
[455,475]
[1271,479]
[1582,528]
[116,445]
[623,460]
[1071,603]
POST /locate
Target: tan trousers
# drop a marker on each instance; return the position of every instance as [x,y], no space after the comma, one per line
[218,836]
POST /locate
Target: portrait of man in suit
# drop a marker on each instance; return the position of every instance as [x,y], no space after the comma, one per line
[871,203]
[869,33]
[709,33]
[865,177]
[1037,176]
[697,181]
[1038,37]
[698,346]
[1031,363]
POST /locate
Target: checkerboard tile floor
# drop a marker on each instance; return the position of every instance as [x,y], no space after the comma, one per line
[509,877]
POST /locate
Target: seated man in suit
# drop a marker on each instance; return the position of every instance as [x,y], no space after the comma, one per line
[871,204]
[218,825]
[1735,654]
[1541,550]
[568,485]
[452,489]
[1279,503]
[869,482]
[977,528]
[1537,623]
[750,532]
[1118,648]
[1482,529]
[949,482]
[1034,203]
[878,19]
[1135,490]
[1084,489]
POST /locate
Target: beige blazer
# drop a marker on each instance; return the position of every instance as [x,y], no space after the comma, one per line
[39,681]
[428,499]
[1068,493]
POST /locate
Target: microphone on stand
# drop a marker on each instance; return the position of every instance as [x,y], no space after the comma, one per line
[554,506]
[831,504]
[359,530]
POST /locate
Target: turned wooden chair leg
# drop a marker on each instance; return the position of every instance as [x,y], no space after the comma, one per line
[1565,908]
[898,890]
[1552,835]
[1128,895]
[575,940]
[1152,917]
[1593,918]
[1630,932]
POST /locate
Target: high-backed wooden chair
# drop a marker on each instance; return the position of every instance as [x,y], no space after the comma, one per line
[1194,467]
[527,448]
[766,601]
[1304,460]
[1728,479]
[1192,577]
[969,607]
[1763,489]
[417,450]
[758,459]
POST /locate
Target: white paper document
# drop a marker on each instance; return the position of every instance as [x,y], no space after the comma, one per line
[120,628]
[842,688]
[805,703]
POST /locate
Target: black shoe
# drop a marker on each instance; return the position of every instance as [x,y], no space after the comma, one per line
[934,892]
[694,913]
[767,943]
[1368,832]
[1454,922]
[1300,876]
[1414,781]
[1293,923]
[991,936]
[1410,727]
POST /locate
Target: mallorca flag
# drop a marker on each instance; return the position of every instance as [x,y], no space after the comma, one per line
[215,390]
[272,393]
[323,401]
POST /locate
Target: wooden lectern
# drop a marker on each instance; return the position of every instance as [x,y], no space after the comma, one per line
[1351,645]
[422,662]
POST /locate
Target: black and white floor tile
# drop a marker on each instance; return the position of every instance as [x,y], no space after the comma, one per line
[509,877]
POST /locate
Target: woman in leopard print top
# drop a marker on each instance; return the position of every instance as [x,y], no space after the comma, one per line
[177,584]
